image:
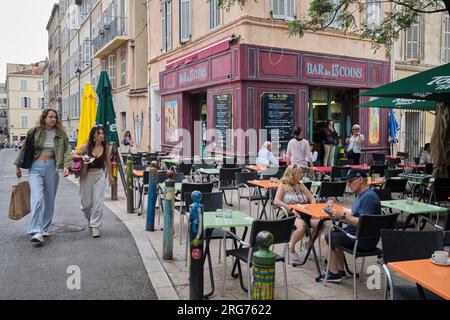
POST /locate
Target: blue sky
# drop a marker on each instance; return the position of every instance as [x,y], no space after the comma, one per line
[22,31]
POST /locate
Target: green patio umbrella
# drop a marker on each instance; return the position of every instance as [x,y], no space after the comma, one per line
[400,103]
[105,110]
[433,84]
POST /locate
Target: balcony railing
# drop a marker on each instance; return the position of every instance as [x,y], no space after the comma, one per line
[108,33]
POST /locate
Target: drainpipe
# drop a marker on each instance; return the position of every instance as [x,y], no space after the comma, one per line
[149,82]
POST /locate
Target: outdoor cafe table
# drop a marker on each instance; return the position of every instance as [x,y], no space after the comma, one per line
[162,186]
[269,185]
[256,168]
[425,274]
[308,211]
[414,210]
[393,157]
[364,167]
[211,222]
[208,172]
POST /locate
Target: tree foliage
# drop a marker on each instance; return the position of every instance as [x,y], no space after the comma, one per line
[324,13]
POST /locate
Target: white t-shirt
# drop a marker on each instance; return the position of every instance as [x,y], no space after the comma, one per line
[354,145]
[299,152]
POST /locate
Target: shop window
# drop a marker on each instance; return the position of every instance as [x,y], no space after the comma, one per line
[185,20]
[283,9]
[166,26]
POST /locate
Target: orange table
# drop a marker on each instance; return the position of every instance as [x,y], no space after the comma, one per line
[138,173]
[377,182]
[314,211]
[411,165]
[269,186]
[394,157]
[256,168]
[425,273]
[320,169]
[361,166]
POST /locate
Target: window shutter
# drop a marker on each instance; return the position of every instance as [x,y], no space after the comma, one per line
[185,20]
[169,25]
[163,28]
[290,11]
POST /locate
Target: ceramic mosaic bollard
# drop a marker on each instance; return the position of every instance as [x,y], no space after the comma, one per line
[130,185]
[151,202]
[169,202]
[263,287]
[196,247]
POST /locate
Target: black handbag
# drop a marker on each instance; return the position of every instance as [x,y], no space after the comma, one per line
[27,157]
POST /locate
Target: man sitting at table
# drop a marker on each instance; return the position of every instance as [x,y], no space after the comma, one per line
[425,157]
[265,155]
[292,191]
[366,202]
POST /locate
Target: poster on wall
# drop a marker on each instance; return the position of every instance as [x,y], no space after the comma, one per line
[374,125]
[223,109]
[278,117]
[171,121]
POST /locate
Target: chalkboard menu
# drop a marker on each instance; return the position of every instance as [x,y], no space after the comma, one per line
[278,117]
[222,114]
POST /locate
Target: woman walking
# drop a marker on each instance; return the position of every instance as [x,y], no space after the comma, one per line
[330,139]
[92,185]
[51,153]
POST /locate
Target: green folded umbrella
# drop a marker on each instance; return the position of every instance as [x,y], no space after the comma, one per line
[433,85]
[105,110]
[400,103]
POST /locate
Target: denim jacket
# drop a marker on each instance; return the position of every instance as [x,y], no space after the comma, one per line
[63,151]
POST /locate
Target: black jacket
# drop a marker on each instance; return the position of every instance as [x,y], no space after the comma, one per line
[329,136]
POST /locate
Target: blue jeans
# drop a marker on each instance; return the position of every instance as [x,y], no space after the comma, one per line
[43,178]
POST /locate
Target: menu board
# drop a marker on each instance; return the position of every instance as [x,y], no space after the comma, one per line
[278,117]
[223,105]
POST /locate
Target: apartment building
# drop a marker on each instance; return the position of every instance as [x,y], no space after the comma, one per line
[3,112]
[423,46]
[106,35]
[53,73]
[25,96]
[211,68]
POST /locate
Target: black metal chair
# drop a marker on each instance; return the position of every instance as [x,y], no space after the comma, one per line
[403,154]
[227,182]
[408,245]
[281,230]
[444,228]
[341,163]
[390,173]
[189,187]
[369,227]
[392,163]
[384,194]
[396,185]
[428,168]
[332,190]
[416,160]
[378,169]
[379,158]
[338,172]
[185,168]
[252,194]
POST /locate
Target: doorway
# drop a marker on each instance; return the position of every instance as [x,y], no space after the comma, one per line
[199,118]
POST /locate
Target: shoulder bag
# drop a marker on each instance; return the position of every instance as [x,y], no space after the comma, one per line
[27,156]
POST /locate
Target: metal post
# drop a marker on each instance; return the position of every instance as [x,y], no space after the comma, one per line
[263,287]
[114,172]
[151,203]
[196,247]
[130,184]
[169,202]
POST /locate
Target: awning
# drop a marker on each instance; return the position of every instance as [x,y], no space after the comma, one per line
[203,52]
[400,103]
[433,84]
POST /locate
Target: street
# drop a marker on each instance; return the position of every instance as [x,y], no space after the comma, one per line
[110,267]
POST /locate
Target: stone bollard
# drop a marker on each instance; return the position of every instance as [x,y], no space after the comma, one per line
[151,203]
[196,247]
[169,202]
[130,185]
[263,287]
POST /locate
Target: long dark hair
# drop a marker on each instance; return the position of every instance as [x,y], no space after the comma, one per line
[91,142]
[41,122]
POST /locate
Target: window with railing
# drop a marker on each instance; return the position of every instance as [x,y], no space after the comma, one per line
[185,21]
[166,26]
[373,13]
[25,102]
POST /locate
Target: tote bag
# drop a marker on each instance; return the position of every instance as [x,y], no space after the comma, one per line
[19,205]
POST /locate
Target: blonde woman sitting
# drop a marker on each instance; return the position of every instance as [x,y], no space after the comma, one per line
[292,191]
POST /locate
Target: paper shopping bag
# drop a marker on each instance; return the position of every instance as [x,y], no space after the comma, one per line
[19,206]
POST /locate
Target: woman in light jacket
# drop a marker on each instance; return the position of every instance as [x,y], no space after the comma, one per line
[52,152]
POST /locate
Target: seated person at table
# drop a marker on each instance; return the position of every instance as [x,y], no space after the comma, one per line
[314,153]
[265,155]
[292,191]
[425,157]
[366,202]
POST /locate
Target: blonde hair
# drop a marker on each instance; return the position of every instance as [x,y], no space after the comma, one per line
[289,175]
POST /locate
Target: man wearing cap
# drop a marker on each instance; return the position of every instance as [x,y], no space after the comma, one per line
[366,202]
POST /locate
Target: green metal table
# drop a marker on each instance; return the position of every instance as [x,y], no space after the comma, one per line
[415,209]
[212,220]
[162,186]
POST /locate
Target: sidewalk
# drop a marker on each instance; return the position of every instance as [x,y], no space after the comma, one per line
[171,278]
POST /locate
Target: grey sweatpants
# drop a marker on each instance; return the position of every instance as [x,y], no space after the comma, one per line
[92,192]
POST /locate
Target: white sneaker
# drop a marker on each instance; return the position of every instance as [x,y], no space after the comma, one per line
[46,234]
[95,233]
[293,256]
[37,237]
